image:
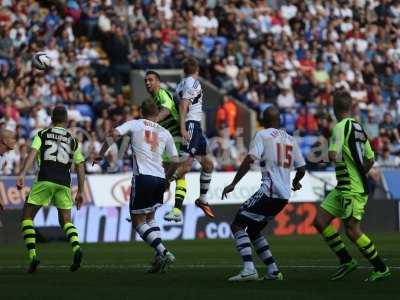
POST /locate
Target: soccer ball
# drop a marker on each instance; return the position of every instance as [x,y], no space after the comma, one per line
[41,60]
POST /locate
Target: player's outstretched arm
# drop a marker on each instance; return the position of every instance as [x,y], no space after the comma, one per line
[243,169]
[26,166]
[164,113]
[111,137]
[300,172]
[80,169]
[368,164]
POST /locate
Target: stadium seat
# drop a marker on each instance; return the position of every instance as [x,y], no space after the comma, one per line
[85,110]
[208,43]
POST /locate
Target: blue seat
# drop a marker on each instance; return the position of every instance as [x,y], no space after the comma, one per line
[305,150]
[289,122]
[183,41]
[222,40]
[310,140]
[85,110]
[208,43]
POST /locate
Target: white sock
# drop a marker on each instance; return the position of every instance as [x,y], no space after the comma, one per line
[243,245]
[151,237]
[205,179]
[262,248]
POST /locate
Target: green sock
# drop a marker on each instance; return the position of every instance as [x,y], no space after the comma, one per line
[29,237]
[367,248]
[72,235]
[334,241]
[180,193]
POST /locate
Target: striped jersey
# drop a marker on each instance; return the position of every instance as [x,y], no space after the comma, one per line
[164,99]
[350,142]
[190,89]
[58,149]
[278,153]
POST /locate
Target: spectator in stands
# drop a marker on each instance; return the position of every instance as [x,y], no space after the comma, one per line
[226,116]
[371,126]
[292,53]
[286,99]
[306,122]
[387,160]
[388,128]
[118,48]
[90,167]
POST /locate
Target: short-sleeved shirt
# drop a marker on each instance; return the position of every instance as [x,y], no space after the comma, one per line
[164,99]
[350,142]
[278,154]
[190,89]
[149,142]
[58,149]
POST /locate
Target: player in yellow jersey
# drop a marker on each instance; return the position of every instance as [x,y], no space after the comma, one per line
[56,150]
[351,152]
[168,117]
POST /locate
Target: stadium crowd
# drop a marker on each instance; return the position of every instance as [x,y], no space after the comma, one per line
[289,53]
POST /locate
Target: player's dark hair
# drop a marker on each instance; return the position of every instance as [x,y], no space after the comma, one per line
[149,108]
[190,66]
[151,72]
[271,117]
[342,101]
[59,115]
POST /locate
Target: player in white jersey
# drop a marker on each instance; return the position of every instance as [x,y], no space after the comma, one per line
[194,144]
[278,154]
[149,141]
[7,143]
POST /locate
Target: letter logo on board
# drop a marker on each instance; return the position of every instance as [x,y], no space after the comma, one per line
[121,191]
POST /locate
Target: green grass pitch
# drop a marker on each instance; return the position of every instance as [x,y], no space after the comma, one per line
[118,271]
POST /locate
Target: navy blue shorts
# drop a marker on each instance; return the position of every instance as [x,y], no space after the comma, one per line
[197,144]
[258,210]
[147,193]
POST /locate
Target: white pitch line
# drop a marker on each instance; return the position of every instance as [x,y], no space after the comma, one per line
[139,266]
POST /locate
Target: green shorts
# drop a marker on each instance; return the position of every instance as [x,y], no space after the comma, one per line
[345,204]
[165,157]
[44,192]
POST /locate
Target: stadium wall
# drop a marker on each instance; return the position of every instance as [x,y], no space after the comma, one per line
[103,218]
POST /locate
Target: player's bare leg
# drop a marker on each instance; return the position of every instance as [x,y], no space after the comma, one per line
[335,242]
[207,167]
[64,218]
[147,228]
[368,249]
[28,230]
[243,245]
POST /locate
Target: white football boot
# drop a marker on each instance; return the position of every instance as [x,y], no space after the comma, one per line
[245,275]
[175,215]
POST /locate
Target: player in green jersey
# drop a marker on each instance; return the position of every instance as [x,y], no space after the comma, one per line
[351,152]
[169,119]
[56,149]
